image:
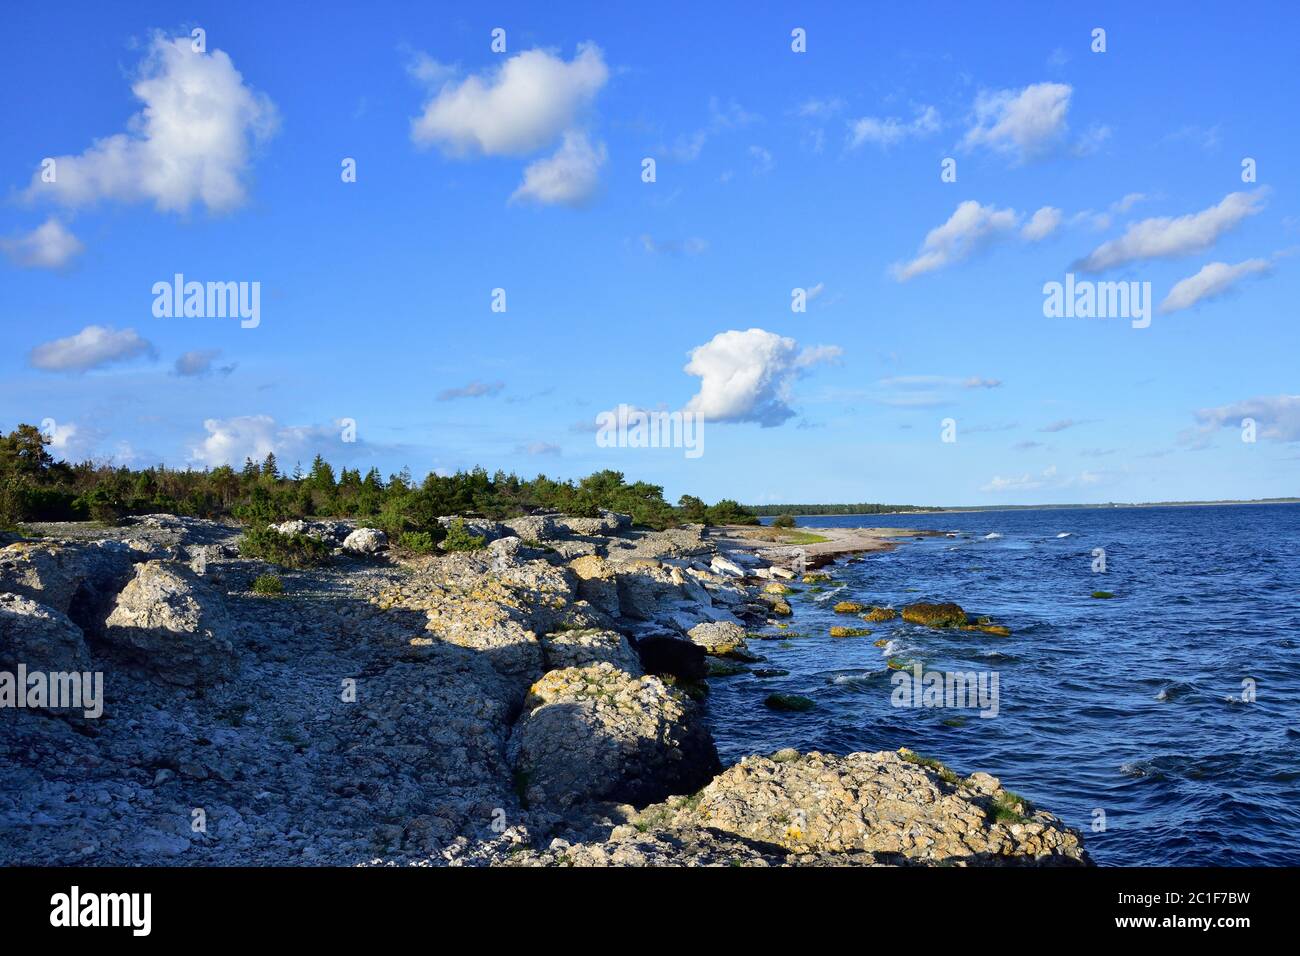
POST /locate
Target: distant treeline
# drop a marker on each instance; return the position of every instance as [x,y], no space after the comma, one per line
[858,509]
[36,487]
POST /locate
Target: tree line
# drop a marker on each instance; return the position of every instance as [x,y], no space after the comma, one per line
[34,486]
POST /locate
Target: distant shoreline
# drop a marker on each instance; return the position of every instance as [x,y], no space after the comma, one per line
[762,512]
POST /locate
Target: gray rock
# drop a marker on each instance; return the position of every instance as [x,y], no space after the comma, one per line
[175,623]
[598,733]
[365,541]
[718,637]
[41,637]
[579,648]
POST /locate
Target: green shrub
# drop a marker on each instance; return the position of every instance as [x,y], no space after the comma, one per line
[459,539]
[418,542]
[783,521]
[268,584]
[286,550]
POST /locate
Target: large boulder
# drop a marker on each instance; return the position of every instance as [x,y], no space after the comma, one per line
[532,527]
[597,583]
[365,541]
[40,637]
[599,733]
[175,622]
[606,523]
[718,638]
[579,648]
[894,805]
[77,579]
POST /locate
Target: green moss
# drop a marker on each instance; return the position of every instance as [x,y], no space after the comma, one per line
[934,615]
[1102,594]
[911,756]
[1007,807]
[850,631]
[849,607]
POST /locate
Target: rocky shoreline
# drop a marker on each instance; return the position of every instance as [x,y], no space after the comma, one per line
[540,701]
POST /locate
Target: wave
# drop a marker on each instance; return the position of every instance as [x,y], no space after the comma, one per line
[991,536]
[1065,534]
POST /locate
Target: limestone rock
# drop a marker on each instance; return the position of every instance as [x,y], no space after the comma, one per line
[579,648]
[882,803]
[718,637]
[365,541]
[598,733]
[41,637]
[176,623]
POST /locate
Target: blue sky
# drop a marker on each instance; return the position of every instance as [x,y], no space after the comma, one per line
[775,170]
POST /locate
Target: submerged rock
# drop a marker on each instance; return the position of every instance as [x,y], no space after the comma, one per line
[934,615]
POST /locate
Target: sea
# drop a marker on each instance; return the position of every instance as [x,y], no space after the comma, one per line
[1162,723]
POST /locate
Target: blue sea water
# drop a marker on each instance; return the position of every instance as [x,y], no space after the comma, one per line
[1131,706]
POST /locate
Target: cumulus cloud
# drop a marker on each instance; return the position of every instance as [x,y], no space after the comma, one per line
[1211,281]
[48,246]
[198,363]
[1167,236]
[890,130]
[230,440]
[1277,417]
[748,376]
[93,347]
[1022,123]
[569,178]
[521,107]
[472,390]
[189,144]
[968,229]
[1042,224]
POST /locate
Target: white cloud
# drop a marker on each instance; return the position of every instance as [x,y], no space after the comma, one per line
[891,130]
[1042,224]
[968,229]
[748,376]
[472,390]
[230,440]
[92,347]
[569,178]
[521,107]
[1166,236]
[48,246]
[198,363]
[762,160]
[1025,482]
[1023,123]
[692,246]
[189,144]
[1211,281]
[539,448]
[1276,416]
